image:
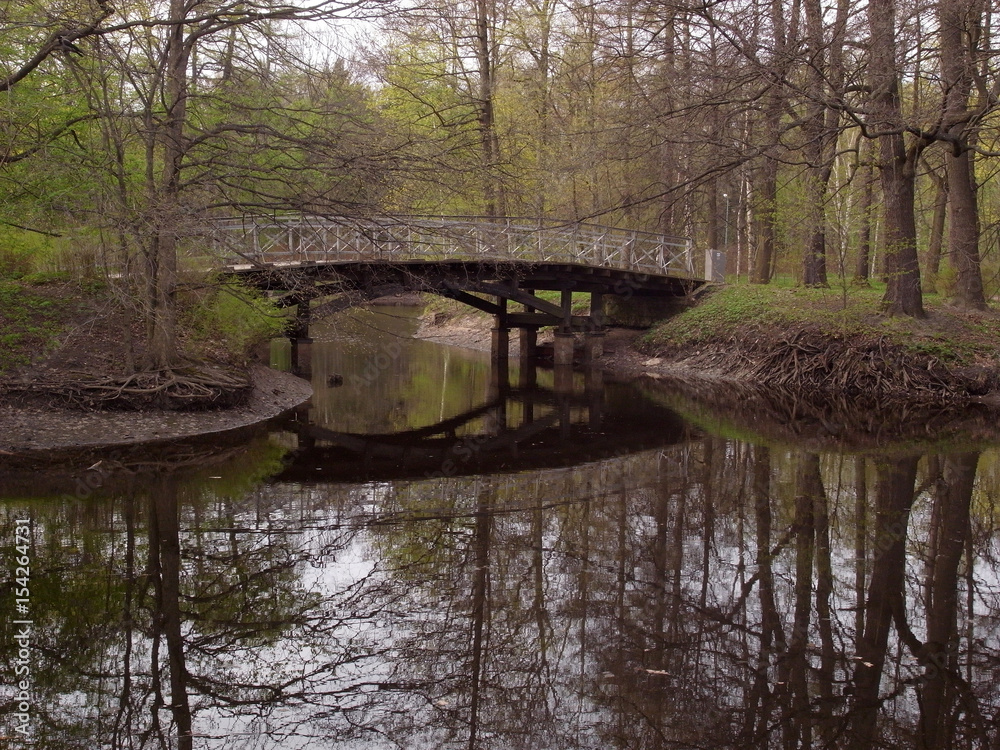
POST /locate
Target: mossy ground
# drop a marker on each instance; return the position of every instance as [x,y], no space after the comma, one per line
[34,310]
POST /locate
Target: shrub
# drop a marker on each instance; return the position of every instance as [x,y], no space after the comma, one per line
[231,319]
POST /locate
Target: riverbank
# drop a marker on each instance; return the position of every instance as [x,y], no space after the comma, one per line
[68,376]
[37,427]
[817,343]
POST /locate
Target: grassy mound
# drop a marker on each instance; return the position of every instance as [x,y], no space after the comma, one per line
[825,340]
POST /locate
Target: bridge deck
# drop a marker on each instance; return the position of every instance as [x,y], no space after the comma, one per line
[427,275]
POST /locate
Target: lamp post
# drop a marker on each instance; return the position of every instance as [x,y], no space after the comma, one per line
[725,242]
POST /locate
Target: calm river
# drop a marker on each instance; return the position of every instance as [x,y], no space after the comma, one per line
[427,557]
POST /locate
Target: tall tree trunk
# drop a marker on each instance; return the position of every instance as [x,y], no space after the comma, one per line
[163,253]
[862,268]
[766,208]
[958,19]
[898,165]
[712,228]
[484,104]
[821,137]
[766,221]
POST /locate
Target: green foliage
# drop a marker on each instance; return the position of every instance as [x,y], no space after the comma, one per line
[20,250]
[231,320]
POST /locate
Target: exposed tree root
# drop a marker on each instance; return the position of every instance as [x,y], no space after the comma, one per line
[861,368]
[182,388]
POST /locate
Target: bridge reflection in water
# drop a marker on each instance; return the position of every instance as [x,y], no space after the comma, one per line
[577,418]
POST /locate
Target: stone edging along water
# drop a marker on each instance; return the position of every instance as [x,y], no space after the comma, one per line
[34,429]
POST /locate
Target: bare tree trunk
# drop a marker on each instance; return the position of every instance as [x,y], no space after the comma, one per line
[487,133]
[898,165]
[162,352]
[958,19]
[541,51]
[936,240]
[820,130]
[712,230]
[862,269]
[766,209]
[766,215]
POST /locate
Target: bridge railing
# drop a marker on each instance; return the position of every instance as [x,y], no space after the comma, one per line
[312,239]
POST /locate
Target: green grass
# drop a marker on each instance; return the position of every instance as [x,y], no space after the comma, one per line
[735,312]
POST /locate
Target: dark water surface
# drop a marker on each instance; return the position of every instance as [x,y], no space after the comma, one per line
[428,557]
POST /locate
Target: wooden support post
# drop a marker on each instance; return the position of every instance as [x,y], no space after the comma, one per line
[566,302]
[594,389]
[593,347]
[500,344]
[500,349]
[500,359]
[529,344]
[303,317]
[597,318]
[302,357]
[563,379]
[593,339]
[529,338]
[562,352]
[527,376]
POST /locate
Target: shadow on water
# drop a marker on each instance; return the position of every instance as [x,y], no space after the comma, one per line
[690,590]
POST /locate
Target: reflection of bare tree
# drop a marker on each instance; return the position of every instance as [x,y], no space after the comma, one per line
[772,636]
[808,487]
[942,683]
[894,496]
[480,612]
[164,571]
[713,594]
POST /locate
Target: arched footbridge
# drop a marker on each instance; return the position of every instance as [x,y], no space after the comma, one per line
[487,263]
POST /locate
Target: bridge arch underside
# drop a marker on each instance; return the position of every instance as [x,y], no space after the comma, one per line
[493,287]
